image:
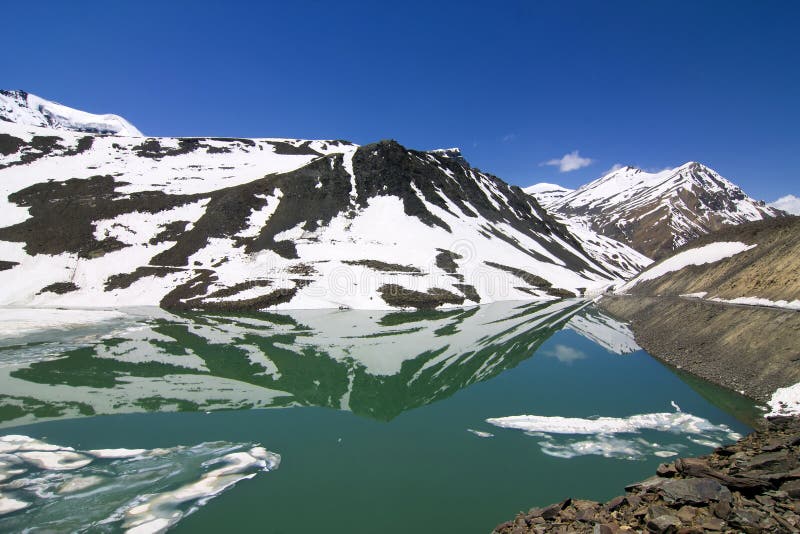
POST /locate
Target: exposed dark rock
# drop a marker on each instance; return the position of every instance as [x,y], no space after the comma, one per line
[125,280]
[385,267]
[171,232]
[63,214]
[396,295]
[10,144]
[446,261]
[469,291]
[694,490]
[6,265]
[59,288]
[291,150]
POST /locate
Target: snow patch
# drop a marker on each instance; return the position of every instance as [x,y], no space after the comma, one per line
[785,401]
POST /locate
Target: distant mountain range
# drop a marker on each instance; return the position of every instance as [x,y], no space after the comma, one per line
[94,219]
[655,212]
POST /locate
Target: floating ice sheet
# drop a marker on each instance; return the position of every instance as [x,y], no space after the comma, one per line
[610,436]
[58,489]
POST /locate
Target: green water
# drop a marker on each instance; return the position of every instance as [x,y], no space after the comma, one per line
[369,411]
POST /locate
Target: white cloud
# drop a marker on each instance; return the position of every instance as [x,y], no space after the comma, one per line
[509,137]
[565,354]
[570,162]
[789,204]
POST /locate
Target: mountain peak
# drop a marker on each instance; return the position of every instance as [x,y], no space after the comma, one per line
[27,109]
[655,212]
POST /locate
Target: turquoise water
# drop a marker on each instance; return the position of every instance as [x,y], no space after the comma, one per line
[372,415]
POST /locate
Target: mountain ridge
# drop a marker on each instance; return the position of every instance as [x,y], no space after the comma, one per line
[244,224]
[657,212]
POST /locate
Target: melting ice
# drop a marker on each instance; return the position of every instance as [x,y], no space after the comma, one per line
[60,489]
[601,435]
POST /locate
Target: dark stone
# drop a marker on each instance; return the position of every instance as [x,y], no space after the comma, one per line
[615,503]
[59,288]
[773,461]
[446,261]
[713,524]
[384,267]
[792,488]
[550,512]
[396,295]
[694,490]
[586,515]
[666,470]
[663,524]
[721,509]
[469,291]
[604,529]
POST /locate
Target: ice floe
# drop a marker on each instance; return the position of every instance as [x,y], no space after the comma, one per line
[135,490]
[556,434]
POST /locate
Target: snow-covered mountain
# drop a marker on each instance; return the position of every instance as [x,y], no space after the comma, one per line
[30,110]
[547,193]
[242,224]
[657,212]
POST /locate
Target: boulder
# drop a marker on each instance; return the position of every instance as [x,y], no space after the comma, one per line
[694,491]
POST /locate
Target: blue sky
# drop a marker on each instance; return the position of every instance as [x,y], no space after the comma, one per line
[514,84]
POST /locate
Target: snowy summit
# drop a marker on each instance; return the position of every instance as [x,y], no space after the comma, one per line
[30,110]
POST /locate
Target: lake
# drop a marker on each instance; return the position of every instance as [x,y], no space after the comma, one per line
[339,421]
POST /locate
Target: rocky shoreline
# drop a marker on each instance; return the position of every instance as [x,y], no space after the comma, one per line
[747,349]
[750,486]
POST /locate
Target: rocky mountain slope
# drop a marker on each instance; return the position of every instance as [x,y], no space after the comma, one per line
[725,308]
[655,212]
[754,263]
[243,224]
[30,110]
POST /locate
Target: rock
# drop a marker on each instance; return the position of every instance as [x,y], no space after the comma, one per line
[747,520]
[605,529]
[551,511]
[714,524]
[615,503]
[663,524]
[568,514]
[586,515]
[773,461]
[658,510]
[652,482]
[792,488]
[721,509]
[633,500]
[687,513]
[666,470]
[694,490]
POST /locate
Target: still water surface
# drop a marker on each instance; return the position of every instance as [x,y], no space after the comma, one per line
[340,421]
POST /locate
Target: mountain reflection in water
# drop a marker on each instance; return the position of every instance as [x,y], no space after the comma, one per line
[375,364]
